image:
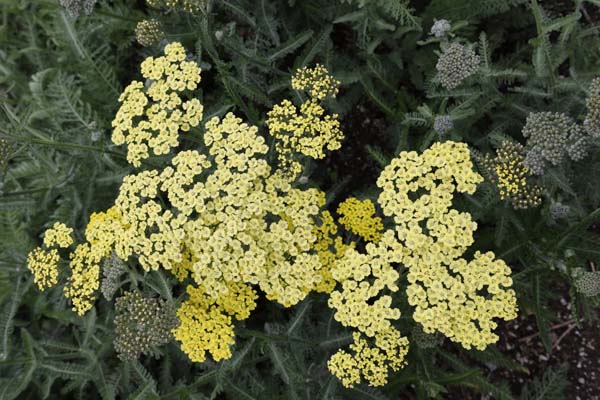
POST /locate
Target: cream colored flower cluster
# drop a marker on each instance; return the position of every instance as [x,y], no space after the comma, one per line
[151,118]
[308,130]
[316,81]
[190,6]
[457,298]
[221,219]
[360,303]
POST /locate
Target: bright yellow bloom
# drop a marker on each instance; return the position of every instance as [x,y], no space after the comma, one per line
[359,217]
[43,264]
[329,247]
[206,323]
[59,235]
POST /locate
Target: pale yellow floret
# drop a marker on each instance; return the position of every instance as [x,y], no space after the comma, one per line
[306,131]
[152,118]
[359,217]
[84,282]
[316,81]
[59,235]
[457,298]
[43,264]
[370,359]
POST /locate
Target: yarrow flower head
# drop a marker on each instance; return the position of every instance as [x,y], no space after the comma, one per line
[592,118]
[551,137]
[149,32]
[306,131]
[206,322]
[59,235]
[508,172]
[190,6]
[443,124]
[559,211]
[43,264]
[370,359]
[152,118]
[359,217]
[440,28]
[587,282]
[112,269]
[140,324]
[456,64]
[316,81]
[451,295]
[75,7]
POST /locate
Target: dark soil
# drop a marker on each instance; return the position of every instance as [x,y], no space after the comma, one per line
[576,347]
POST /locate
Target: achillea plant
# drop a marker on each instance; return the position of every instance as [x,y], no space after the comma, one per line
[227,225]
[152,118]
[451,295]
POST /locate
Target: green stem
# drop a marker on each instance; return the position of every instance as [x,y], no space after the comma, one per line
[278,338]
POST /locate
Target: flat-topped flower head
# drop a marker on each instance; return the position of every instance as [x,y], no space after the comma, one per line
[510,172]
[316,81]
[43,264]
[360,218]
[59,235]
[592,118]
[151,118]
[149,32]
[456,64]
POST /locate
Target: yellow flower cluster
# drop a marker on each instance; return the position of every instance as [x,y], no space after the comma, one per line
[330,247]
[59,235]
[43,264]
[187,5]
[306,131]
[508,172]
[316,81]
[359,304]
[206,322]
[359,217]
[84,282]
[452,296]
[371,362]
[152,117]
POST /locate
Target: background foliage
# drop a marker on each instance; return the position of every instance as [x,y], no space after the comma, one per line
[60,78]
